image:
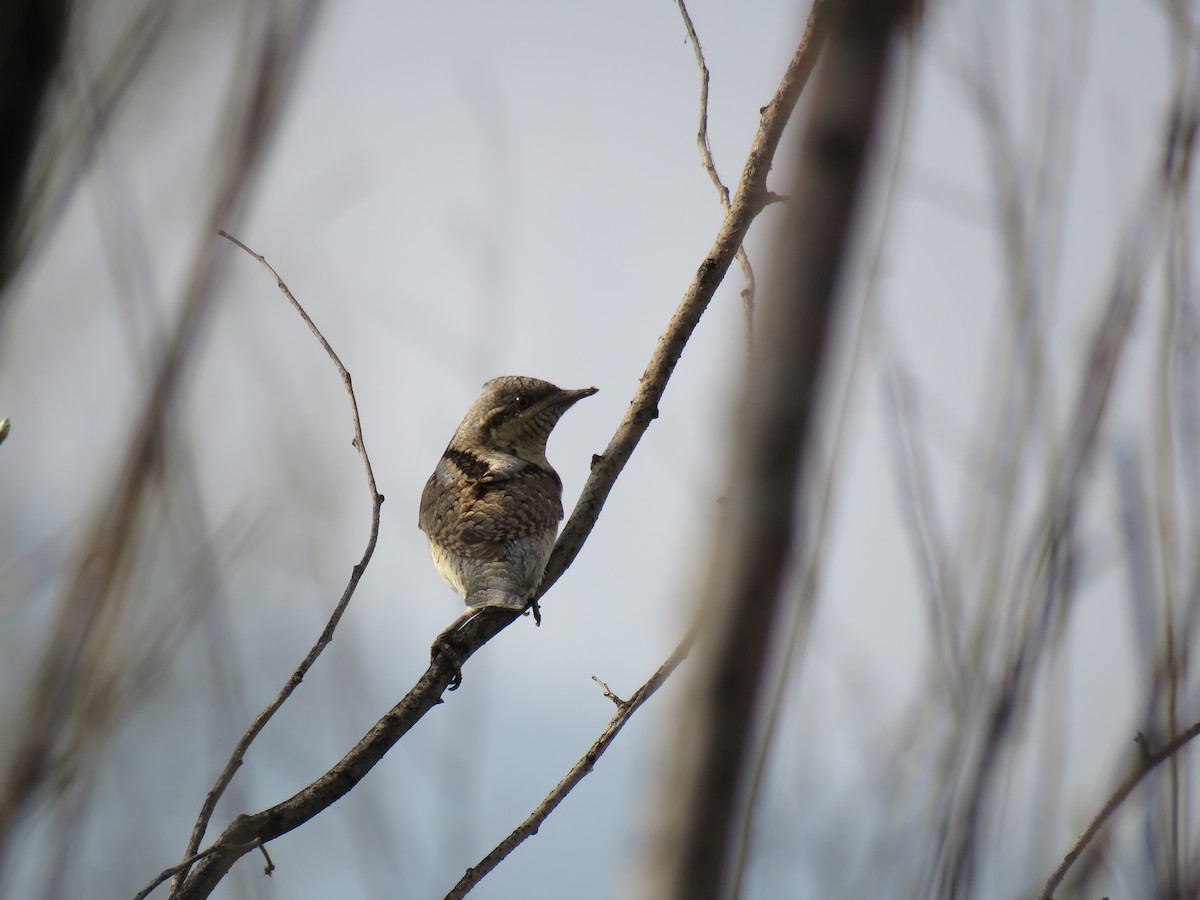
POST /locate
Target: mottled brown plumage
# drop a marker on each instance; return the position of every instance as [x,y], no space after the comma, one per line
[492,506]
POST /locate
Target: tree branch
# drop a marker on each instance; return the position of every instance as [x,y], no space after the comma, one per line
[710,166]
[1146,763]
[576,774]
[260,721]
[752,196]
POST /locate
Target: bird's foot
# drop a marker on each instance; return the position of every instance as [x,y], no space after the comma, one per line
[534,608]
[444,647]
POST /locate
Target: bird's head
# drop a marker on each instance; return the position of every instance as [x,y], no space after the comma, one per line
[515,415]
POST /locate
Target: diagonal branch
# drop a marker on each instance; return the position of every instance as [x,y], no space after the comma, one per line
[752,196]
[1146,763]
[528,828]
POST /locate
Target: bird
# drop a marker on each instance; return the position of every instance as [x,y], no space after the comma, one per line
[491,508]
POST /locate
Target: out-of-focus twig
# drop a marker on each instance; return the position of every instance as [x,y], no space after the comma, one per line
[692,851]
[1047,576]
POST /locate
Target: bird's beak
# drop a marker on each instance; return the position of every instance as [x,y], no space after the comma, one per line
[567,399]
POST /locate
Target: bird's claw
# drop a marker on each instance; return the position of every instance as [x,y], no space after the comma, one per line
[443,646]
[444,649]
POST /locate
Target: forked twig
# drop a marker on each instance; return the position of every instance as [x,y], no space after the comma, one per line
[710,166]
[180,866]
[576,774]
[1147,761]
[749,200]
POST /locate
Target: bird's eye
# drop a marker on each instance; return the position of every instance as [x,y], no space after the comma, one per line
[521,402]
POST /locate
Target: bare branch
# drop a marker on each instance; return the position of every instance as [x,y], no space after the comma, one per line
[752,196]
[260,721]
[706,158]
[528,828]
[1147,761]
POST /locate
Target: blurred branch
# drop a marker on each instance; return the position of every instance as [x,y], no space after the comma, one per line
[1026,194]
[930,549]
[706,158]
[1046,581]
[260,721]
[32,35]
[64,153]
[1169,498]
[246,831]
[693,848]
[71,676]
[1148,760]
[836,456]
[528,828]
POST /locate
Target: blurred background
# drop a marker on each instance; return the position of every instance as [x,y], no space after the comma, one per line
[458,191]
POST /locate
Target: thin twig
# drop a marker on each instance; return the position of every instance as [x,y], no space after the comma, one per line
[1145,763]
[924,529]
[528,828]
[269,865]
[260,721]
[710,166]
[608,692]
[179,867]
